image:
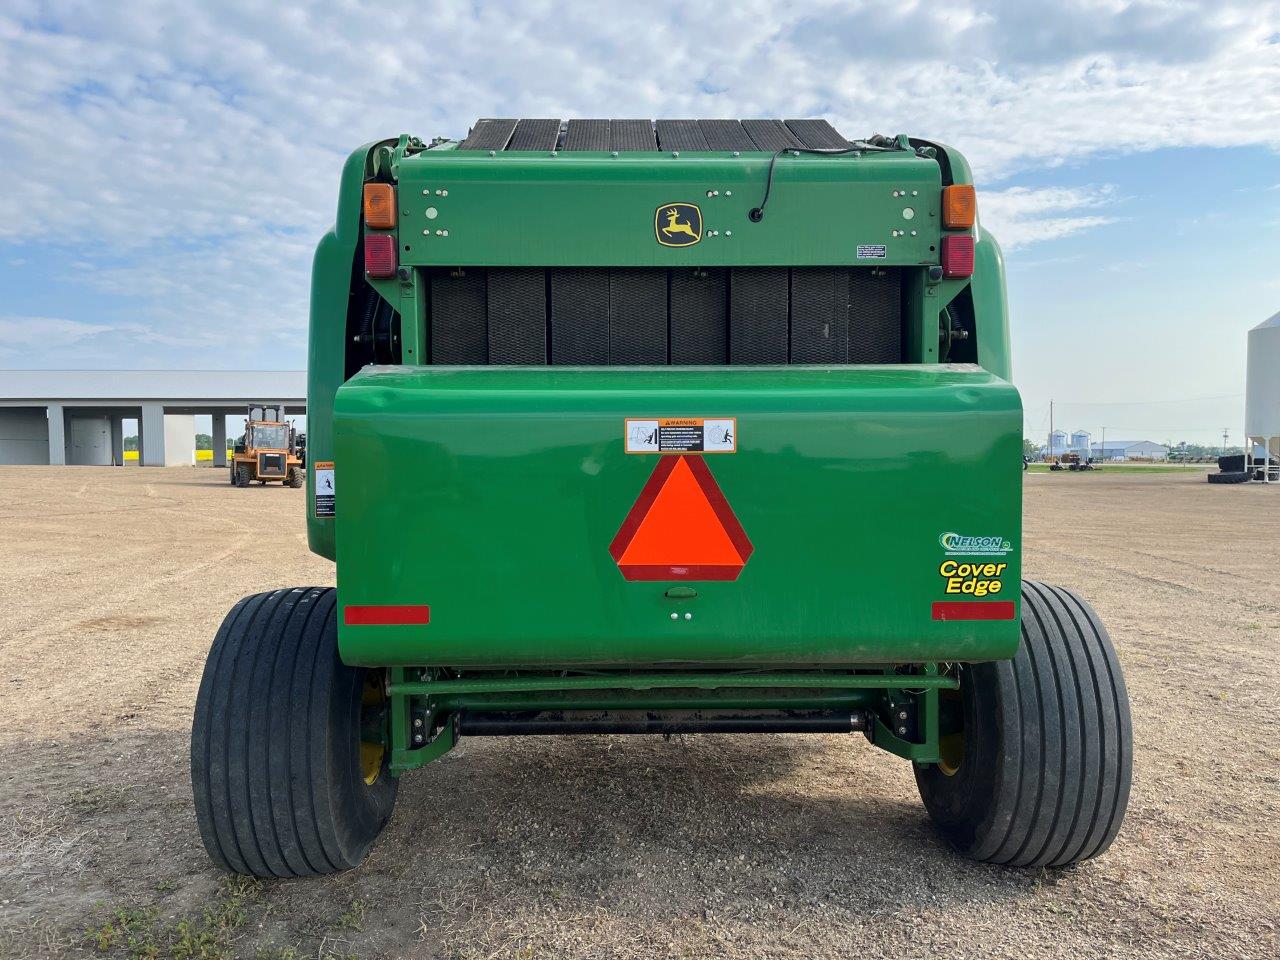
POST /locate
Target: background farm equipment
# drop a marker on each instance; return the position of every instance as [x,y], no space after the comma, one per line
[267,451]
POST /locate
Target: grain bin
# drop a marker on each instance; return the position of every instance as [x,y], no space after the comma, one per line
[1262,387]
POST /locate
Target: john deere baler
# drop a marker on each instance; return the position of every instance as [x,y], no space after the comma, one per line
[619,426]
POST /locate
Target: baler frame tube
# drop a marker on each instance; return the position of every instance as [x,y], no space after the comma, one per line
[897,711]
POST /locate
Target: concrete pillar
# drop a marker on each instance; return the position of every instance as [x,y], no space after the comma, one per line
[219,433]
[179,439]
[57,435]
[151,435]
[117,440]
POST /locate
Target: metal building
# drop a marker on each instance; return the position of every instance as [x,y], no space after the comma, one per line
[1130,450]
[77,416]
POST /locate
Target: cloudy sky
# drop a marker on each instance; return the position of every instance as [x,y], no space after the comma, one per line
[169,166]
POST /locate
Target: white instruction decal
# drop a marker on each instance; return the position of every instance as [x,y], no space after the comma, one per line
[324,488]
[682,435]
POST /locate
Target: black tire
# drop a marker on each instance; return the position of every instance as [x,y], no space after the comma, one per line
[1046,764]
[1233,476]
[242,475]
[295,479]
[275,745]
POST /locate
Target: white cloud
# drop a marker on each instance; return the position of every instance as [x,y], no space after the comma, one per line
[43,331]
[1023,215]
[191,151]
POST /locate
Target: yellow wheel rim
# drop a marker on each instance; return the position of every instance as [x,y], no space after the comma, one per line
[371,755]
[373,707]
[951,742]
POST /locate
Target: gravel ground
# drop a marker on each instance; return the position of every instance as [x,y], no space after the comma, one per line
[114,581]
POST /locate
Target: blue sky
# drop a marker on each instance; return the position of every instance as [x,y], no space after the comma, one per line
[170,165]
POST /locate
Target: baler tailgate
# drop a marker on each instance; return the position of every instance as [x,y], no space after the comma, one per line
[494,496]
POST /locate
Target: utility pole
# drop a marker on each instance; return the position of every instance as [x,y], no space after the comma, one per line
[1102,452]
[1224,441]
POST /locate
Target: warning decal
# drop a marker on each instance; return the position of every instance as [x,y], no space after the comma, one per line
[682,435]
[324,488]
[681,528]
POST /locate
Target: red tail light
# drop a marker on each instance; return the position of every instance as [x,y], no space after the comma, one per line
[957,256]
[380,256]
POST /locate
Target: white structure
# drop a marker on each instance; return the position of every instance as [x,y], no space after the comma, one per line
[76,416]
[1262,386]
[1080,443]
[1129,450]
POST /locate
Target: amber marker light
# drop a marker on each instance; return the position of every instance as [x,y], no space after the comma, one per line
[379,206]
[959,206]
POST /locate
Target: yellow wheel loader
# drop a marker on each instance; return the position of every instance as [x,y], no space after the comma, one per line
[267,451]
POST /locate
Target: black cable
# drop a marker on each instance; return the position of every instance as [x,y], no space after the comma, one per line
[756,214]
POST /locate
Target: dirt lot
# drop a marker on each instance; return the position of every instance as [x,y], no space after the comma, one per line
[114,581]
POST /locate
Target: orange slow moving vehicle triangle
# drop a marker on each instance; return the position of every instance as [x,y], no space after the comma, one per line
[681,527]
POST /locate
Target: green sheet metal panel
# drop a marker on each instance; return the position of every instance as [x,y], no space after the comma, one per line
[595,209]
[492,495]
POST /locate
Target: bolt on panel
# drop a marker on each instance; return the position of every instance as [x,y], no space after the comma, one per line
[458,316]
[820,315]
[579,318]
[517,316]
[680,135]
[771,135]
[489,134]
[817,134]
[535,135]
[699,316]
[759,301]
[633,135]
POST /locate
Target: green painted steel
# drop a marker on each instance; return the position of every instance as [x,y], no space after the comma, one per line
[492,494]
[668,681]
[332,277]
[991,307]
[819,212]
[593,209]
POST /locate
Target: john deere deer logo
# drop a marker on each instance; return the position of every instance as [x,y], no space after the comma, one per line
[678,224]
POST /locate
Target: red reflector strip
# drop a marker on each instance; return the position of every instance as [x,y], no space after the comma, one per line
[380,255]
[957,256]
[375,616]
[973,610]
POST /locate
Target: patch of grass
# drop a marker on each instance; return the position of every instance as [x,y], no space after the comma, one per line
[88,801]
[352,918]
[124,928]
[137,933]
